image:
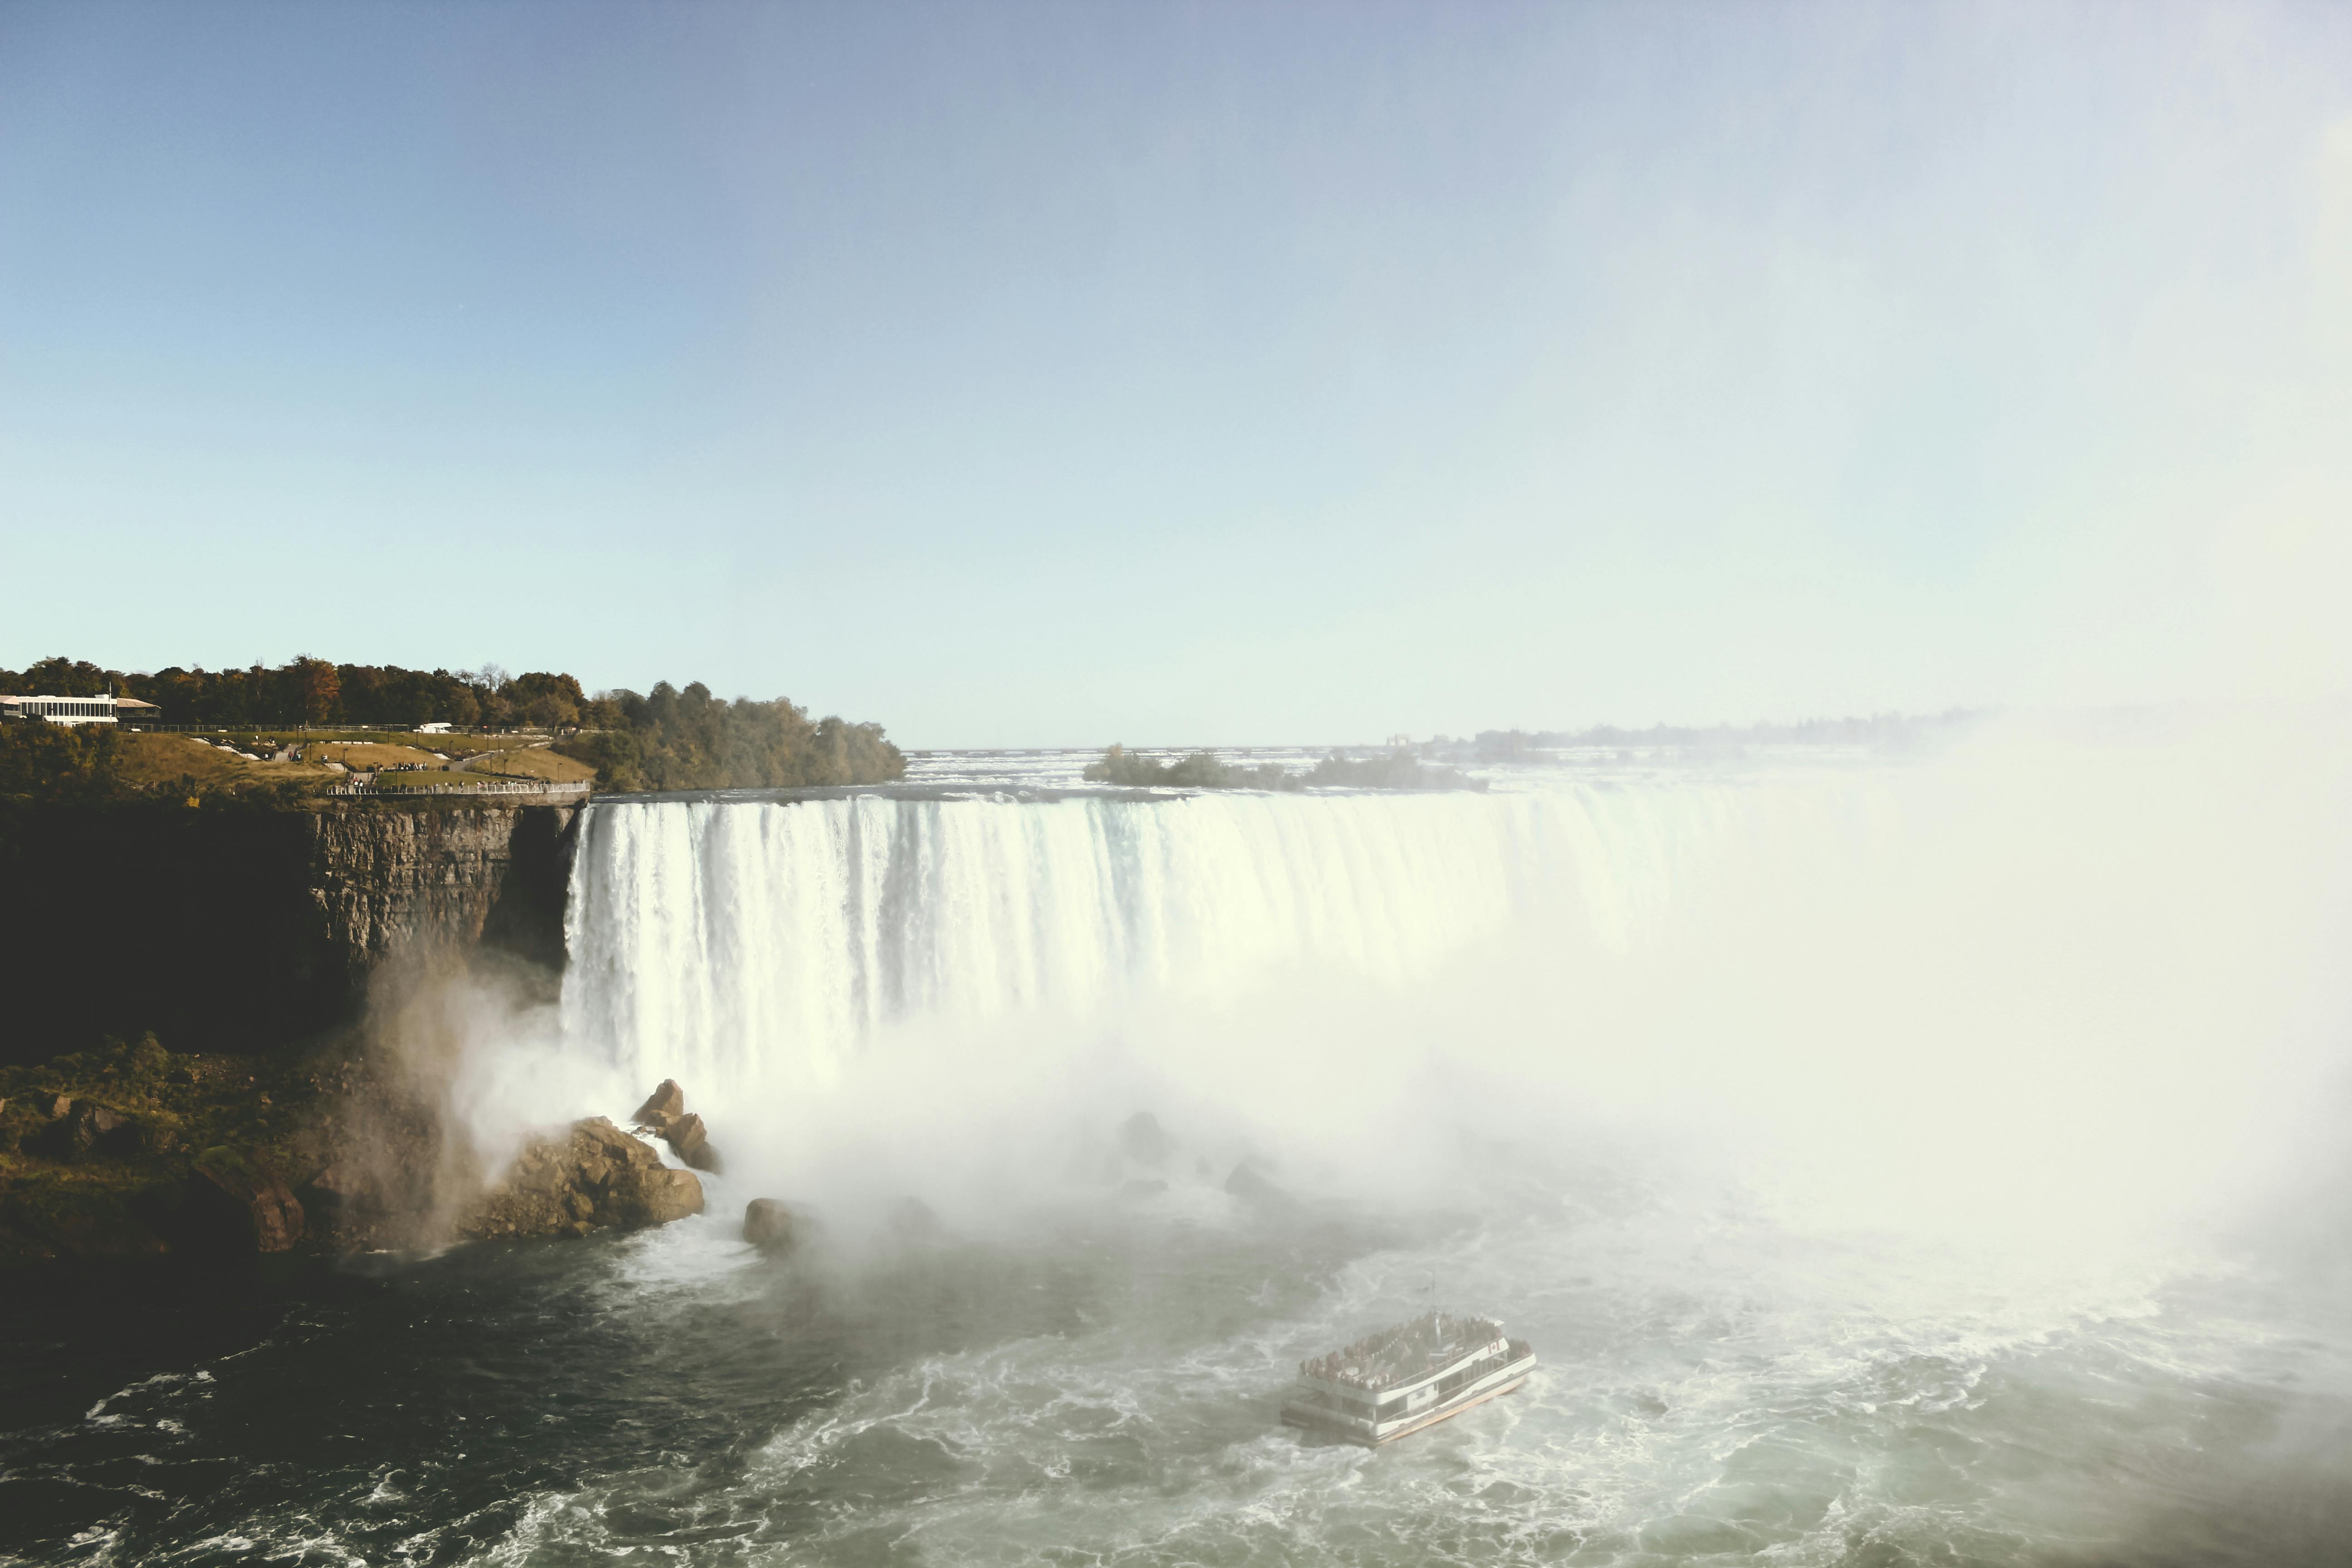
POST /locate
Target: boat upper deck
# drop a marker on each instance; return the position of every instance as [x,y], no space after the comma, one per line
[1412,1352]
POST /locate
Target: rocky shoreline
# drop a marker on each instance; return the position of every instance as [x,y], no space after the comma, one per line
[134,1152]
[300,953]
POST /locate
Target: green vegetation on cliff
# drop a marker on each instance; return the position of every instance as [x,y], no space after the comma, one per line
[51,764]
[1204,770]
[107,1177]
[667,740]
[671,738]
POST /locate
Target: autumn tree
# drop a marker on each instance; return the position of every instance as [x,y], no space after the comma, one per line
[319,688]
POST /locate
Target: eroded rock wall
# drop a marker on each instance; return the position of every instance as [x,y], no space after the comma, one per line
[386,883]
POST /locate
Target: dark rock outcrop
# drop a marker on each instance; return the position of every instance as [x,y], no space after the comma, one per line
[768,1225]
[591,1177]
[1142,1139]
[237,1203]
[133,1137]
[75,1133]
[84,1129]
[1249,1184]
[342,1201]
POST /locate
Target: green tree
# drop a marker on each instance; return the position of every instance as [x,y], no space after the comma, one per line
[547,700]
[671,738]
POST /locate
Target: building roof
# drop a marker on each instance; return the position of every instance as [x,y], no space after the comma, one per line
[94,697]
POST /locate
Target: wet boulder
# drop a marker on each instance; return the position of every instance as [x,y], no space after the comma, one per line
[592,1176]
[236,1202]
[662,1106]
[1142,1139]
[768,1225]
[686,1138]
[1250,1185]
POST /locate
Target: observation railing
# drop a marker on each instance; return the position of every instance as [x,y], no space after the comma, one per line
[577,790]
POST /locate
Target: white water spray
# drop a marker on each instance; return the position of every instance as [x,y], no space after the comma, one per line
[2014,993]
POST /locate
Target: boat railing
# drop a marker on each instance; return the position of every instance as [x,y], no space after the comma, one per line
[1440,1332]
[1400,1378]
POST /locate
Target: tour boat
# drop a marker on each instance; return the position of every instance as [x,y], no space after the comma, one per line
[1408,1377]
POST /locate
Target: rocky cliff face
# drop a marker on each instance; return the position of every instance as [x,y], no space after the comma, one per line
[243,930]
[389,882]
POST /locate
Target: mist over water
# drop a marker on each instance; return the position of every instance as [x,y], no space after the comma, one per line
[2030,984]
[1893,1161]
[837,966]
[1890,1159]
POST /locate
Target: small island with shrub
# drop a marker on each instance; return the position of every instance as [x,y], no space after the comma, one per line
[1397,770]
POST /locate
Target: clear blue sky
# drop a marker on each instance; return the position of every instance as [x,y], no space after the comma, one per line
[1033,374]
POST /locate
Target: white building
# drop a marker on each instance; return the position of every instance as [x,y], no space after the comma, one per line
[76,710]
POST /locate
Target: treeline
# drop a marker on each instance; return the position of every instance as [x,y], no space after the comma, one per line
[667,739]
[314,691]
[1206,770]
[670,739]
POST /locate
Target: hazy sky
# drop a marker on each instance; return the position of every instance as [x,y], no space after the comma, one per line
[1024,373]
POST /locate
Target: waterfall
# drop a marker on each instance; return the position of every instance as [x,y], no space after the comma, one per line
[1862,976]
[732,943]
